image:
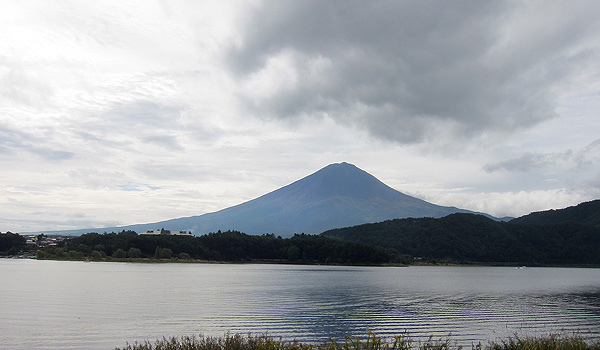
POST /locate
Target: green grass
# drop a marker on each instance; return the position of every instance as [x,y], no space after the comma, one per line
[371,342]
[551,342]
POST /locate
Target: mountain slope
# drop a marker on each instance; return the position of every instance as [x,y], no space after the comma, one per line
[587,213]
[468,238]
[338,195]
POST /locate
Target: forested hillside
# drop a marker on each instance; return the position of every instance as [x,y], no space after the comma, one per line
[587,213]
[466,238]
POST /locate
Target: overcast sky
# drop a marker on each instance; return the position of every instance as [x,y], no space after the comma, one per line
[123,112]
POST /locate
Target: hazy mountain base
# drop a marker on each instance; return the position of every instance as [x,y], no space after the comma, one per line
[371,342]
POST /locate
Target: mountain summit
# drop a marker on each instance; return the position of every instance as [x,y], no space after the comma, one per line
[338,195]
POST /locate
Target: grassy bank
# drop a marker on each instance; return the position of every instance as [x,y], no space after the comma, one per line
[371,342]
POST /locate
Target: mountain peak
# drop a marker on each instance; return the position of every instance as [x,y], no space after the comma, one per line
[340,168]
[341,165]
[338,195]
[338,180]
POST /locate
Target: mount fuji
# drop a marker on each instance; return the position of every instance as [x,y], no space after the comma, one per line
[338,195]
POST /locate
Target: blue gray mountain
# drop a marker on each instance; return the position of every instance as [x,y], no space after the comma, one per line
[338,195]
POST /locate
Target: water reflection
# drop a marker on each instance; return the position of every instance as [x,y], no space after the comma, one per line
[64,305]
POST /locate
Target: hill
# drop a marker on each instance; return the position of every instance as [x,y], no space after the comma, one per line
[338,195]
[587,213]
[468,238]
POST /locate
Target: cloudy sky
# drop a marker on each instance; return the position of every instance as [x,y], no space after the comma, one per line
[123,112]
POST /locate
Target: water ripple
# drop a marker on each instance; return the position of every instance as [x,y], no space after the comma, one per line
[62,305]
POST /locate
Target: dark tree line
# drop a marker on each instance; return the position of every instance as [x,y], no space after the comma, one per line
[220,246]
[468,238]
[586,213]
[11,243]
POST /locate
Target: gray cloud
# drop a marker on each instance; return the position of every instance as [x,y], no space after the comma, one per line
[526,162]
[165,141]
[411,71]
[52,155]
[532,160]
[124,123]
[593,186]
[13,141]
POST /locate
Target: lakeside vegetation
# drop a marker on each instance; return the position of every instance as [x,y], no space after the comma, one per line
[229,246]
[371,342]
[11,243]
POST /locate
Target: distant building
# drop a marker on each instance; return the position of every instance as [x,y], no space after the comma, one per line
[167,233]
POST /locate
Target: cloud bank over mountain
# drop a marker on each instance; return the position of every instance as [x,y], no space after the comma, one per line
[114,113]
[414,72]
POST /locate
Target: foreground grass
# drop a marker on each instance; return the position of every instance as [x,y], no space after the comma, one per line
[372,342]
[551,342]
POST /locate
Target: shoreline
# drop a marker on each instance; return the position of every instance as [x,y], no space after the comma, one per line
[283,262]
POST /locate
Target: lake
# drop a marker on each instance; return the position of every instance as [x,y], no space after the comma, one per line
[98,305]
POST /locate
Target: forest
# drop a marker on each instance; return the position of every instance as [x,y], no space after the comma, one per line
[229,246]
[470,238]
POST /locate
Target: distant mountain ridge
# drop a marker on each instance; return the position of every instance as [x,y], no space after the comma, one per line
[338,195]
[555,237]
[587,213]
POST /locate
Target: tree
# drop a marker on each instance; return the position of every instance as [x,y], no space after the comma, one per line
[60,253]
[294,253]
[119,254]
[9,240]
[73,254]
[134,253]
[158,252]
[166,253]
[12,251]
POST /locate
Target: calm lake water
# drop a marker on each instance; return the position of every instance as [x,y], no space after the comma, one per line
[78,305]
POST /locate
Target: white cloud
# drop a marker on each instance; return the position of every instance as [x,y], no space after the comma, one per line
[120,113]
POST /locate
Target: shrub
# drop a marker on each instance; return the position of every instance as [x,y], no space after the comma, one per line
[73,254]
[119,254]
[60,252]
[166,253]
[134,253]
[184,256]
